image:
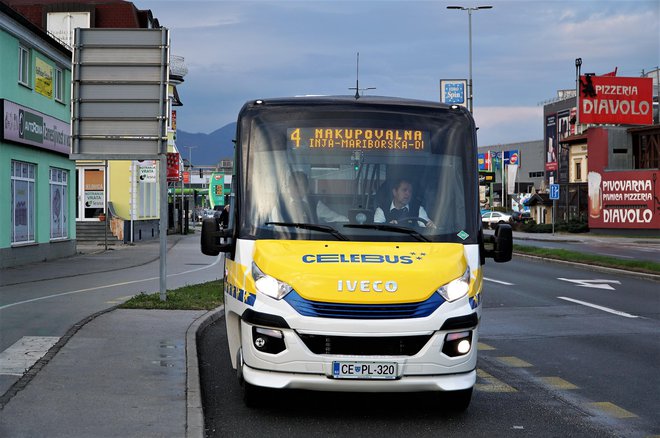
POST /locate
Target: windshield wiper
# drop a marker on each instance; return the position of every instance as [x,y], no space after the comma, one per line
[389,227]
[314,227]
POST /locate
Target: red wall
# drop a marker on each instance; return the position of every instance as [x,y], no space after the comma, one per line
[619,198]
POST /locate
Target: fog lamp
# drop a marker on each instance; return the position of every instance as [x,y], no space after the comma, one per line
[457,344]
[268,340]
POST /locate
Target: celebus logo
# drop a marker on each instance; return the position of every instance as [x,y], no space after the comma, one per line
[357,258]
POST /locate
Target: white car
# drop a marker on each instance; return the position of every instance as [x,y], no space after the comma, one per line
[493,218]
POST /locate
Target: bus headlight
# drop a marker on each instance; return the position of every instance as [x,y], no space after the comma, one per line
[268,285]
[456,289]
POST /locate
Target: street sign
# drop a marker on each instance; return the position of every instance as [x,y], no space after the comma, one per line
[453,91]
[554,191]
[119,94]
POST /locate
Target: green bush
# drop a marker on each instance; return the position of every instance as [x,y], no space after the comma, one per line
[572,226]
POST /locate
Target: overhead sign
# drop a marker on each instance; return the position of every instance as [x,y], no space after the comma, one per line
[119,105]
[616,100]
[453,91]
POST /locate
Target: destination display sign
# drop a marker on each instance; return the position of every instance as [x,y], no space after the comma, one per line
[404,140]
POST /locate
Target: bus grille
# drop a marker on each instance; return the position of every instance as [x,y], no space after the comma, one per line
[363,311]
[365,346]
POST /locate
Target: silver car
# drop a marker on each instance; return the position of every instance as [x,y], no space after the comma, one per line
[493,218]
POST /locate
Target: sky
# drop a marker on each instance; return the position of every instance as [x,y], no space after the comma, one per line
[523,52]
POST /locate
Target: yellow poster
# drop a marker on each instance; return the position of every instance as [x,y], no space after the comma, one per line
[43,78]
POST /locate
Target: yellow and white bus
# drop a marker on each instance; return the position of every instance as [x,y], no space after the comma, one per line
[354,251]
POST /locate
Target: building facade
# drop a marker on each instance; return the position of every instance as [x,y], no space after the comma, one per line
[125,192]
[606,171]
[37,178]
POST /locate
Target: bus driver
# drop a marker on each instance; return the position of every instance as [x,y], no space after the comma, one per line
[402,206]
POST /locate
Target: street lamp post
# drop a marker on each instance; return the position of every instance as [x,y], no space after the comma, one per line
[469,11]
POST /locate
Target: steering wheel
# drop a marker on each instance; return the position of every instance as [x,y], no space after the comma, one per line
[414,220]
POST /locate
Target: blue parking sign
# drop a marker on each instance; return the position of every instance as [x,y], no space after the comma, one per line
[554,191]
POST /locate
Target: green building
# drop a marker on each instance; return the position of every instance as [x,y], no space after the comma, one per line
[37,178]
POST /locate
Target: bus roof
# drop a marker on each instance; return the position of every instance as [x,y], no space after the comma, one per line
[350,101]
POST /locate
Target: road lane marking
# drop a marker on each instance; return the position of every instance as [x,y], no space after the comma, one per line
[558,383]
[596,306]
[612,410]
[89,289]
[120,300]
[513,361]
[498,281]
[492,384]
[19,357]
[596,284]
[484,347]
[617,255]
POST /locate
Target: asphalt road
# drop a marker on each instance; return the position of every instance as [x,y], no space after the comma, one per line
[642,249]
[563,352]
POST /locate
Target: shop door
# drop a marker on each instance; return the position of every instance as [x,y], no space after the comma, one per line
[91,193]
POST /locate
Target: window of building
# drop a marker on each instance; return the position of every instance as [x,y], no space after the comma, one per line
[22,201]
[59,207]
[59,85]
[536,174]
[646,150]
[578,171]
[23,66]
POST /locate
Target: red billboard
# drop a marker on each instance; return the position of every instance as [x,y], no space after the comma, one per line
[616,100]
[620,198]
[173,159]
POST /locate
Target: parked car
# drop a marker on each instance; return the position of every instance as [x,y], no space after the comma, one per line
[521,216]
[493,218]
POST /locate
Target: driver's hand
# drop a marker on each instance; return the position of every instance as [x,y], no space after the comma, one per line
[430,225]
[394,221]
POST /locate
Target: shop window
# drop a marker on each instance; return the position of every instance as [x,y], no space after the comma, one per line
[59,206]
[22,201]
[23,66]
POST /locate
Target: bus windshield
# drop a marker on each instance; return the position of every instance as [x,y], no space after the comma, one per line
[358,172]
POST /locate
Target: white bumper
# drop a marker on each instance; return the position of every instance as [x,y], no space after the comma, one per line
[297,367]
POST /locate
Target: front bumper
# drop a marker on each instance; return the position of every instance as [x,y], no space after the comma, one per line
[299,364]
[316,382]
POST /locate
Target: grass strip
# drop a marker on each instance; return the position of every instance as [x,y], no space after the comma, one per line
[590,259]
[203,296]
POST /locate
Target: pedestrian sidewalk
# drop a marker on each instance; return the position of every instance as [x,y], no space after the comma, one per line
[117,373]
[90,258]
[580,237]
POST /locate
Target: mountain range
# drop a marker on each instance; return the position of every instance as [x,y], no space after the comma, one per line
[207,149]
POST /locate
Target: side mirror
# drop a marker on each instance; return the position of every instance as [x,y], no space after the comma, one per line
[502,244]
[211,235]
